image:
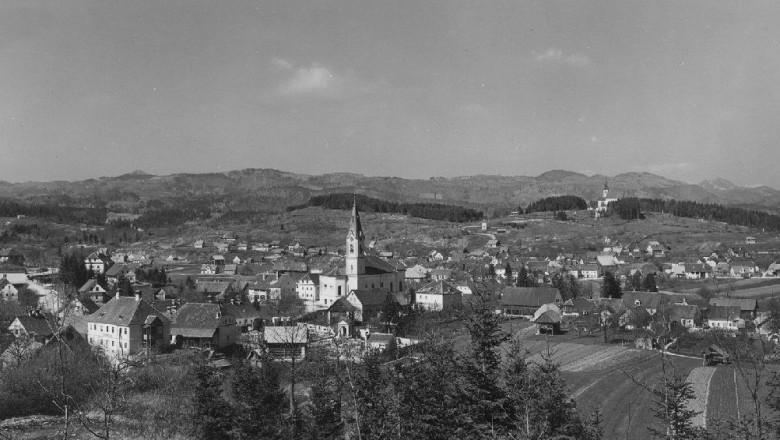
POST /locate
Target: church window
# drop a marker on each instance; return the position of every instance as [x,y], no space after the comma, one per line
[351,249]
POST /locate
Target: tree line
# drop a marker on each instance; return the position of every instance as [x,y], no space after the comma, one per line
[556,203]
[431,211]
[633,208]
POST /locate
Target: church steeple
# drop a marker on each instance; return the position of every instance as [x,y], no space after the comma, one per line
[355,254]
[605,192]
[355,229]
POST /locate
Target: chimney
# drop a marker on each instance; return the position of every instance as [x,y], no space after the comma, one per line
[117,294]
[138,296]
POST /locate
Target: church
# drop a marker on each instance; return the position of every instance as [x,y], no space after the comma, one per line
[603,202]
[360,271]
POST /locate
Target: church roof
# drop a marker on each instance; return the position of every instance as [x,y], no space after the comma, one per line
[355,228]
[376,265]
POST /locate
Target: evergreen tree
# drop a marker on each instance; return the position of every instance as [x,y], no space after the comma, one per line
[482,368]
[212,412]
[611,287]
[326,422]
[508,274]
[635,281]
[649,284]
[670,407]
[260,401]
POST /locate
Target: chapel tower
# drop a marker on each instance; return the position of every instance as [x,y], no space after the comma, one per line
[354,252]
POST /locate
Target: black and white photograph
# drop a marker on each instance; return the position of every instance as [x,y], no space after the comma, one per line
[385,220]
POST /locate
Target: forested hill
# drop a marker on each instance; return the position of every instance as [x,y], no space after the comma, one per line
[633,208]
[559,203]
[433,211]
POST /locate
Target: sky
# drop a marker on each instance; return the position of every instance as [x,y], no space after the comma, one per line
[415,89]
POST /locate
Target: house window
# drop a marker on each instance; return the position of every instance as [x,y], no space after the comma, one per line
[112,343]
[125,344]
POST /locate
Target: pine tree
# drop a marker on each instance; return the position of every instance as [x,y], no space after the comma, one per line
[611,287]
[670,406]
[212,412]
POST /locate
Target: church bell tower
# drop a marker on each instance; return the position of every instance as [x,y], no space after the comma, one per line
[355,255]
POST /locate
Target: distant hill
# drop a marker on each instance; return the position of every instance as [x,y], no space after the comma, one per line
[273,189]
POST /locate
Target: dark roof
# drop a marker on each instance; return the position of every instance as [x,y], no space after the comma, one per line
[341,305]
[648,300]
[247,311]
[88,304]
[43,325]
[724,313]
[196,320]
[529,296]
[548,317]
[376,265]
[579,304]
[371,297]
[681,311]
[125,310]
[118,269]
[744,304]
[439,288]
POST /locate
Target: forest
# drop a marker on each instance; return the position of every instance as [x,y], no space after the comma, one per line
[431,211]
[632,208]
[556,203]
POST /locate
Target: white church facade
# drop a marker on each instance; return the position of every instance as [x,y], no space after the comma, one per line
[360,271]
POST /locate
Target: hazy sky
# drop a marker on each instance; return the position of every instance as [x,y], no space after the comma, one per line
[688,90]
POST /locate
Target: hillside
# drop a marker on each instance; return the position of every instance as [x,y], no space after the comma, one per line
[273,189]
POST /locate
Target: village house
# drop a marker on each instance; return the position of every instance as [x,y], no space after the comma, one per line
[8,291]
[685,315]
[548,318]
[416,273]
[747,307]
[742,268]
[93,290]
[368,303]
[286,342]
[126,270]
[724,318]
[655,249]
[203,325]
[439,296]
[308,288]
[35,325]
[589,271]
[97,262]
[127,326]
[524,301]
[440,274]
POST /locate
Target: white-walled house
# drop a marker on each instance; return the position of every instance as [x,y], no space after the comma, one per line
[126,326]
[439,295]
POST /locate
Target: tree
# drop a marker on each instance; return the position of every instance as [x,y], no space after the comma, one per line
[566,284]
[259,400]
[482,387]
[635,281]
[611,287]
[671,408]
[212,412]
[508,274]
[326,405]
[649,284]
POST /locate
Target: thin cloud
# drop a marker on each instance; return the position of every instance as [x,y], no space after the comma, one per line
[318,81]
[557,56]
[281,63]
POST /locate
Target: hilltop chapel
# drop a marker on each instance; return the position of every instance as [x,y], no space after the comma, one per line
[360,272]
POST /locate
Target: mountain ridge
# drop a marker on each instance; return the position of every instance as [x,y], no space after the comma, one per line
[288,188]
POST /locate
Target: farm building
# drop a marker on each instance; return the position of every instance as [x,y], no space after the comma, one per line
[525,301]
[725,318]
[747,307]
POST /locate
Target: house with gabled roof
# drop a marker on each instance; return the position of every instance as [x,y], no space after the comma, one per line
[97,262]
[308,287]
[439,295]
[284,342]
[724,318]
[93,290]
[8,291]
[126,270]
[368,303]
[524,301]
[203,325]
[127,325]
[748,307]
[36,325]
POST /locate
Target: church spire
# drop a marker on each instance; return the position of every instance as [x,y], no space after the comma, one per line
[355,230]
[605,192]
